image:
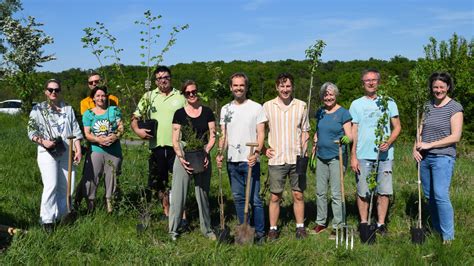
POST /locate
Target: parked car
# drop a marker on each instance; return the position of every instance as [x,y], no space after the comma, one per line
[10,107]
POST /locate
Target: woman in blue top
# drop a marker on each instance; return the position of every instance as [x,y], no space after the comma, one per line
[333,123]
[102,127]
[440,129]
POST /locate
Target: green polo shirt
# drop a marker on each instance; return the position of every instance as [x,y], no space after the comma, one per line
[162,109]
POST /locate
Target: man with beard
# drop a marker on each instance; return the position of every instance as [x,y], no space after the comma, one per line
[242,121]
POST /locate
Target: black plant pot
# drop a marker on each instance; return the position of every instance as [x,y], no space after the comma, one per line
[59,147]
[418,235]
[367,233]
[301,165]
[196,160]
[150,124]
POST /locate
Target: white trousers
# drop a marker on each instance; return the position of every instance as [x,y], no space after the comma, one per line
[54,177]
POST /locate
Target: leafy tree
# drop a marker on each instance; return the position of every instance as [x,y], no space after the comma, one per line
[7,8]
[23,55]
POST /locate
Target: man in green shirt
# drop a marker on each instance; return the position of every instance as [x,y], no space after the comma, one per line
[163,102]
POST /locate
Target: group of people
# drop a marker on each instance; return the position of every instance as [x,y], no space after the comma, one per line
[243,121]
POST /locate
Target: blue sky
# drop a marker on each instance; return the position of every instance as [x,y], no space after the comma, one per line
[265,30]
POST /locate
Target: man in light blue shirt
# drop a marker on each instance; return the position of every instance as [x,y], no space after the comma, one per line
[365,113]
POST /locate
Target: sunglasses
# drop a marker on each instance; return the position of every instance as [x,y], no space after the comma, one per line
[190,93]
[92,82]
[51,90]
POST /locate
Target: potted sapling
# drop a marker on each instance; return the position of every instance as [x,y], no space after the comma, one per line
[145,121]
[193,147]
[103,45]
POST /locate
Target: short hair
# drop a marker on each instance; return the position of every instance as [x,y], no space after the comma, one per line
[328,86]
[93,73]
[441,76]
[186,84]
[52,81]
[161,69]
[239,75]
[98,88]
[282,77]
[370,70]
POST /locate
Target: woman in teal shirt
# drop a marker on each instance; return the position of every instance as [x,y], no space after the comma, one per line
[102,127]
[333,122]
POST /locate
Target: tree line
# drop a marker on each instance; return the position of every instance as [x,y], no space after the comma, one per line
[346,75]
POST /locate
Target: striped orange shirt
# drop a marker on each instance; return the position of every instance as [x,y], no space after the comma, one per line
[286,124]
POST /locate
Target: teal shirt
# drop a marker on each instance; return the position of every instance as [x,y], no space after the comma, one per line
[102,125]
[365,113]
[330,127]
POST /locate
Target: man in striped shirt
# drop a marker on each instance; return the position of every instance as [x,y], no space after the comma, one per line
[288,136]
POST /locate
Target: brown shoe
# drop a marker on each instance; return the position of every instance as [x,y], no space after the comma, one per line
[301,233]
[273,235]
[318,229]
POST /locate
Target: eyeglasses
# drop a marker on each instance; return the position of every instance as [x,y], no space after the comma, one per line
[370,80]
[51,90]
[192,93]
[92,82]
[163,78]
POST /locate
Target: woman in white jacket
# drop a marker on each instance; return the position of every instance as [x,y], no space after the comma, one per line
[51,123]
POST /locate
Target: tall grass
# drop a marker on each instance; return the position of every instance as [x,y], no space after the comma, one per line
[100,238]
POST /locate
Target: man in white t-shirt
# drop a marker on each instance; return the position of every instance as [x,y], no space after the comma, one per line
[242,121]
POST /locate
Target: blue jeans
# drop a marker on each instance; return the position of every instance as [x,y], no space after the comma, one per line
[238,178]
[436,172]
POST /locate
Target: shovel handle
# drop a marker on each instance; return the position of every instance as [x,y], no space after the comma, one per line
[69,173]
[248,184]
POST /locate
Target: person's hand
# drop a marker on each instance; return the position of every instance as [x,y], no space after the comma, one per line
[422,146]
[219,160]
[102,141]
[48,144]
[355,165]
[143,133]
[112,138]
[384,147]
[312,162]
[206,162]
[270,152]
[345,140]
[185,165]
[77,157]
[417,155]
[252,160]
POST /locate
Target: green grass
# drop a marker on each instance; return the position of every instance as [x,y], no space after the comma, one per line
[100,238]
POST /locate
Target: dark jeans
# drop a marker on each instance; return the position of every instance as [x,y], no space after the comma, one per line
[238,178]
[160,164]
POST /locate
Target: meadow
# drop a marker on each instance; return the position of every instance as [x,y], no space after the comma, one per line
[99,238]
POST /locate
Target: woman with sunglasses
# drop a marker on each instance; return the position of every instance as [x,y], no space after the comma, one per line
[51,123]
[102,128]
[203,124]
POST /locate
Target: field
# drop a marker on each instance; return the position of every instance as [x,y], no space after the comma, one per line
[99,238]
